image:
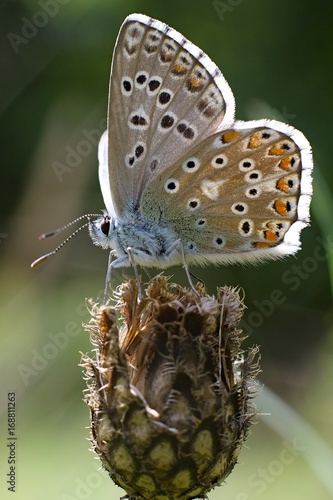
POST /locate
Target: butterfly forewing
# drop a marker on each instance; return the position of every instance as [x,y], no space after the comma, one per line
[240,195]
[165,97]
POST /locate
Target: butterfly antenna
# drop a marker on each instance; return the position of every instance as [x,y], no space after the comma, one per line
[56,231]
[49,234]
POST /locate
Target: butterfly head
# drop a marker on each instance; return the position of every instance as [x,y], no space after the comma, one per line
[101,230]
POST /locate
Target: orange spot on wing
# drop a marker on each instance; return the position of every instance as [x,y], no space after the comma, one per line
[280,207]
[270,236]
[276,151]
[194,84]
[179,69]
[285,164]
[261,244]
[255,141]
[282,185]
[230,136]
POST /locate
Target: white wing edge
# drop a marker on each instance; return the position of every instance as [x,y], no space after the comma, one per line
[103,173]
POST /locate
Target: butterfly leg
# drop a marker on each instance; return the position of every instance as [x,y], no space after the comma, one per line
[125,261]
[178,244]
[131,253]
[108,277]
[119,262]
[185,266]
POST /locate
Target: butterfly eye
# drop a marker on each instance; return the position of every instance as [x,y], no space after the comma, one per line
[105,226]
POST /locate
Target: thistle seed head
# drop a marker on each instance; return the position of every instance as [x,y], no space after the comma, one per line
[170,390]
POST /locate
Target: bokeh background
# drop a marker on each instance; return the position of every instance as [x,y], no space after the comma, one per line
[277,57]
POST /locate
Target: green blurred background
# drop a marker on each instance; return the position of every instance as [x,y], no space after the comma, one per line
[277,58]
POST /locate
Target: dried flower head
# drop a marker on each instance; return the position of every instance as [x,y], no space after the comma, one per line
[170,392]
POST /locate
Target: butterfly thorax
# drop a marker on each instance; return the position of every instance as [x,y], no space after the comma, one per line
[152,244]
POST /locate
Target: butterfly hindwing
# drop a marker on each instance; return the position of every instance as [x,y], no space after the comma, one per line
[242,194]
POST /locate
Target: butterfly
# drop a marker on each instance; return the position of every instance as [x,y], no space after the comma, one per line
[183,182]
